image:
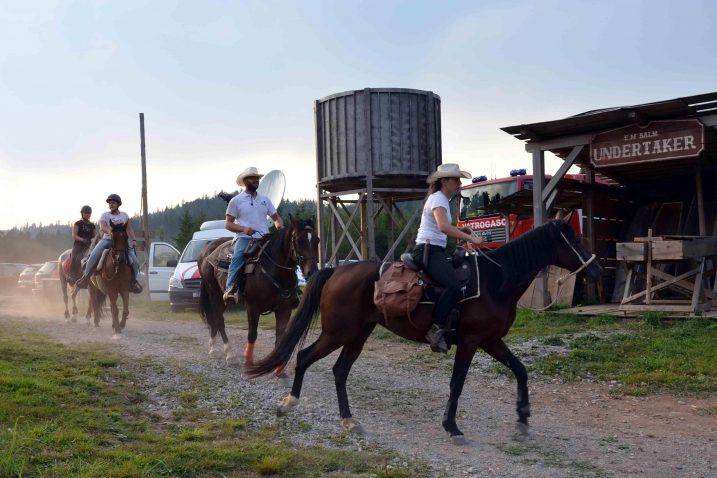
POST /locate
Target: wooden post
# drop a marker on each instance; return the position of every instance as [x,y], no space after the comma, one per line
[700,200]
[648,277]
[144,207]
[541,294]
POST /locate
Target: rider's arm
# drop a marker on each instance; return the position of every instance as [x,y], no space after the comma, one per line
[439,213]
[229,225]
[278,222]
[75,235]
[130,232]
[104,227]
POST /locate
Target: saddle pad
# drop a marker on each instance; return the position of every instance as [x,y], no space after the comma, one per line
[66,264]
[221,257]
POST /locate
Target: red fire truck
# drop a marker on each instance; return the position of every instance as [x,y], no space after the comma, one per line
[498,228]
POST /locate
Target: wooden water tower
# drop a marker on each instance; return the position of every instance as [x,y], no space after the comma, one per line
[374,149]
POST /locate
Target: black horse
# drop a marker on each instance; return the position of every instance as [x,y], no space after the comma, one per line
[344,296]
[270,288]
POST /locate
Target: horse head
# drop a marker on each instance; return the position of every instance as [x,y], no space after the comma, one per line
[570,253]
[119,236]
[304,245]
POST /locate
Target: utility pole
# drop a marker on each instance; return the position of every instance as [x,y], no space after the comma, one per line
[144,207]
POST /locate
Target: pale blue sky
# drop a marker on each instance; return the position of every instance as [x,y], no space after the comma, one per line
[229,84]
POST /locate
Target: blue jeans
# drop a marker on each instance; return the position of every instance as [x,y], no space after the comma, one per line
[97,253]
[237,260]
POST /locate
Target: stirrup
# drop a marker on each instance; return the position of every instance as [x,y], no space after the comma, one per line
[136,288]
[230,297]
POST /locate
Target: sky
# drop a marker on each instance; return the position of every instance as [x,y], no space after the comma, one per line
[228,84]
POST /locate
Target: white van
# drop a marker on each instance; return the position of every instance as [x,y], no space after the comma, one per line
[185,281]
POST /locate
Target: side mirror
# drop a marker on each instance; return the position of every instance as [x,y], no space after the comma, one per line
[172,263]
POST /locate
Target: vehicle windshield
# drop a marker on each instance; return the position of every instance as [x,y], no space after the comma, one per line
[478,198]
[193,249]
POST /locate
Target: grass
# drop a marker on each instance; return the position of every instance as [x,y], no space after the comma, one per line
[644,355]
[79,411]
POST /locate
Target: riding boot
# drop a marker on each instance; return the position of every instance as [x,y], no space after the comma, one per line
[83,281]
[230,296]
[136,287]
[437,338]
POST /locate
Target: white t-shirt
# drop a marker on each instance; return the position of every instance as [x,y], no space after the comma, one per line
[120,218]
[252,212]
[428,230]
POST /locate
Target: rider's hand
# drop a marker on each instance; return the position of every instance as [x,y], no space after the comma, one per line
[476,239]
[249,231]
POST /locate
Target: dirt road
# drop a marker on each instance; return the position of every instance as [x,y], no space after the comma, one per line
[577,429]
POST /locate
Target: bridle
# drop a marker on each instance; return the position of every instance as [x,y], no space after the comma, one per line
[562,279]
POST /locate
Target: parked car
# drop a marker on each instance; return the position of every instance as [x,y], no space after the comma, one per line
[163,259]
[26,281]
[9,274]
[47,279]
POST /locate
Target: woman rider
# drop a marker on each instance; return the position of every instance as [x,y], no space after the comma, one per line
[433,233]
[82,232]
[117,217]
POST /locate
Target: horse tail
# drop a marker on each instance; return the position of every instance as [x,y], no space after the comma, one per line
[206,311]
[297,329]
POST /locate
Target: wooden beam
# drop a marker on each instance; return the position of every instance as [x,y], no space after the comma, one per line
[567,163]
[345,233]
[700,200]
[709,120]
[402,234]
[558,143]
[539,213]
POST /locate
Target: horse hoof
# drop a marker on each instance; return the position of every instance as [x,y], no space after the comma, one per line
[233,360]
[215,353]
[458,440]
[523,429]
[116,336]
[286,404]
[352,426]
[73,319]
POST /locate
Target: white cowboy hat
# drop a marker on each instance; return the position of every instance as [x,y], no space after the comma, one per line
[247,173]
[448,170]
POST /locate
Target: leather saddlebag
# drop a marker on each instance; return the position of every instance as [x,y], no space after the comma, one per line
[398,291]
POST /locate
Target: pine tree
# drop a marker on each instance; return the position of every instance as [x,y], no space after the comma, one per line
[186,229]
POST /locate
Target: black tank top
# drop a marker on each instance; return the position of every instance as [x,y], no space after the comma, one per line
[85,230]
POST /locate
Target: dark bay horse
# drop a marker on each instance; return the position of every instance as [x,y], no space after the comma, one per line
[65,283]
[113,280]
[270,288]
[344,296]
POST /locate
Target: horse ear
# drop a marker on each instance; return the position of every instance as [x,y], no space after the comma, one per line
[566,216]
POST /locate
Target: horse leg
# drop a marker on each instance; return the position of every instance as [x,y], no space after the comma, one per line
[74,303]
[115,313]
[499,351]
[341,369]
[125,309]
[323,346]
[252,316]
[63,286]
[282,318]
[461,364]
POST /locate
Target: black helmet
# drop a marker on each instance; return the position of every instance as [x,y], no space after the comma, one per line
[114,197]
[86,209]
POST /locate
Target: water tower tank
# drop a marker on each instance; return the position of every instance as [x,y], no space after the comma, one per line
[392,135]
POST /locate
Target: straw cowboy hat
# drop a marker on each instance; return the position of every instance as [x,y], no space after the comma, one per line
[448,170]
[248,173]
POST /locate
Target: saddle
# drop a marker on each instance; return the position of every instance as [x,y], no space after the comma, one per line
[402,285]
[221,258]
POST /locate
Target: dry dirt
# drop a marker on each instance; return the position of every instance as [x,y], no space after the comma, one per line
[398,393]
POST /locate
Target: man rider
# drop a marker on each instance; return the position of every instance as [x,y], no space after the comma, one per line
[246,217]
[117,217]
[82,232]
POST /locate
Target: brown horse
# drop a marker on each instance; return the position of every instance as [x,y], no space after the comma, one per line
[114,279]
[344,297]
[270,288]
[66,282]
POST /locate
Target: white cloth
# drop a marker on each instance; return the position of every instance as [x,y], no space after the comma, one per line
[251,211]
[428,230]
[120,218]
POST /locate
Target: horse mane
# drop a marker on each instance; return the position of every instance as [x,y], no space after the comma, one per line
[525,255]
[276,240]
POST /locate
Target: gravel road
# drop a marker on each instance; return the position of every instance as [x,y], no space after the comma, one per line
[398,393]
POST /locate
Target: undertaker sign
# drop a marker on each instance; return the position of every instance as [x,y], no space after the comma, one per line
[658,141]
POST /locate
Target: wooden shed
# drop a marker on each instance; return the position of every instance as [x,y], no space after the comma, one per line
[657,239]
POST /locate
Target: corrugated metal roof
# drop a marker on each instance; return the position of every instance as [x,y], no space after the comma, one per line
[608,118]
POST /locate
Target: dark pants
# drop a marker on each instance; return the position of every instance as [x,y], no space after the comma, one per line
[441,272]
[78,250]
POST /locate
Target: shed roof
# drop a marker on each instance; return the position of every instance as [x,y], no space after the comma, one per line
[608,118]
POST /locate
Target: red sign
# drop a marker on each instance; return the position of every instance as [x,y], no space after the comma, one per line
[487,223]
[658,141]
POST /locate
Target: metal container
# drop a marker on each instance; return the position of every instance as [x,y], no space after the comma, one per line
[388,136]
